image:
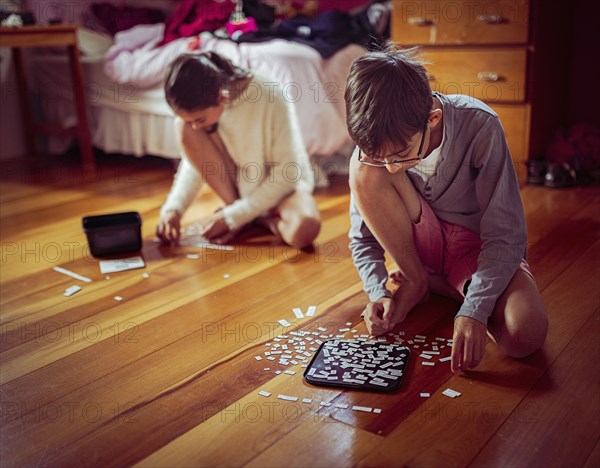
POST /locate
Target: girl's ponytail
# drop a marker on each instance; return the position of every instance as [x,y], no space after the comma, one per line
[195,81]
[231,72]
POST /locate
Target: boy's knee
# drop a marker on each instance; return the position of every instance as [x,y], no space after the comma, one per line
[356,178]
[526,337]
[361,175]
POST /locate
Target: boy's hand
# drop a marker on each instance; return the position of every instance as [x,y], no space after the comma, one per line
[378,315]
[468,343]
[168,229]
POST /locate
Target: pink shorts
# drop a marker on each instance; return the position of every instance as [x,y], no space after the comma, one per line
[448,249]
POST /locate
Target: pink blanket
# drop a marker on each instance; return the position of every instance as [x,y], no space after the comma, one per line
[316,86]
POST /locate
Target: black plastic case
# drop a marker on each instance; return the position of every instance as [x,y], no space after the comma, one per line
[113,233]
[358,350]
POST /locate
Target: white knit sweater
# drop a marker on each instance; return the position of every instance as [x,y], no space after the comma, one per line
[261,133]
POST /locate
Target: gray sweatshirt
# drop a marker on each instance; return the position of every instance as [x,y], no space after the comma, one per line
[474,186]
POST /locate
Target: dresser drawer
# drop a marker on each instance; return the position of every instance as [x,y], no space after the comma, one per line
[492,75]
[515,120]
[460,22]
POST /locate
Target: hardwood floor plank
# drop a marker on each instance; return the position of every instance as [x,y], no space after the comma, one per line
[559,252]
[594,458]
[560,246]
[69,197]
[272,432]
[31,256]
[545,209]
[432,319]
[63,242]
[144,300]
[214,349]
[46,227]
[457,428]
[576,406]
[318,442]
[180,385]
[35,202]
[209,373]
[55,244]
[120,350]
[29,213]
[31,315]
[12,191]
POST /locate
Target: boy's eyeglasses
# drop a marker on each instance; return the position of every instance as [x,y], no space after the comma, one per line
[376,163]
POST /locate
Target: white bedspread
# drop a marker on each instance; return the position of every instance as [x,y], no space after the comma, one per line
[313,84]
[128,112]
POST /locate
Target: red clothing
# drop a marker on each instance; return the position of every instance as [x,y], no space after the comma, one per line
[343,6]
[194,16]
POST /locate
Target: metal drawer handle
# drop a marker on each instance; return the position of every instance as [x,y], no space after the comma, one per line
[491,19]
[488,76]
[418,21]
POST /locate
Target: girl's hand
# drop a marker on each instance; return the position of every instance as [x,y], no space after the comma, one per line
[169,227]
[216,229]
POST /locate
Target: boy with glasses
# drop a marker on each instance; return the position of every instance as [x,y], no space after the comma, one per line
[433,185]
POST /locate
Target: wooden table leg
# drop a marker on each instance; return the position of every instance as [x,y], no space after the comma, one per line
[83,127]
[27,117]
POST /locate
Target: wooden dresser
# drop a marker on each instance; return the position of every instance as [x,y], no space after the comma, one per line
[489,50]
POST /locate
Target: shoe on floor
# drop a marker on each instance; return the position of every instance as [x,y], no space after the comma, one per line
[560,176]
[536,171]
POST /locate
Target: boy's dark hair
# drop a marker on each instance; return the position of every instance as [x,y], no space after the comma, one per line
[194,81]
[388,99]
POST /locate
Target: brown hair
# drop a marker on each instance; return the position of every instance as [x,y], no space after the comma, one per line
[388,98]
[194,81]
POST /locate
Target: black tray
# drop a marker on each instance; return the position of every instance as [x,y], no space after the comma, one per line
[113,233]
[343,358]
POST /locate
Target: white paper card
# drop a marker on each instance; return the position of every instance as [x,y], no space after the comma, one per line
[121,264]
[72,290]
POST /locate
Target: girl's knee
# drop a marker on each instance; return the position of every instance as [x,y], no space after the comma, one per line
[303,231]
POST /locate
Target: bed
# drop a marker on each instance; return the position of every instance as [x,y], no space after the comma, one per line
[128,113]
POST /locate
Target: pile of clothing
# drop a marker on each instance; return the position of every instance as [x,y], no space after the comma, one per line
[327,30]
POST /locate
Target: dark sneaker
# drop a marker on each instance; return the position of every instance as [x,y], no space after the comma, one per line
[536,171]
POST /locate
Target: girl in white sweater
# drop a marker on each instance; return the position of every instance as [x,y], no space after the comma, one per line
[239,135]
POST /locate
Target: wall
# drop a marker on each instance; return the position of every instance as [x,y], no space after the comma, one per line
[579,97]
[76,11]
[585,67]
[12,142]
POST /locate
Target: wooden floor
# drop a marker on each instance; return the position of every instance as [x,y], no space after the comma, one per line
[168,376]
